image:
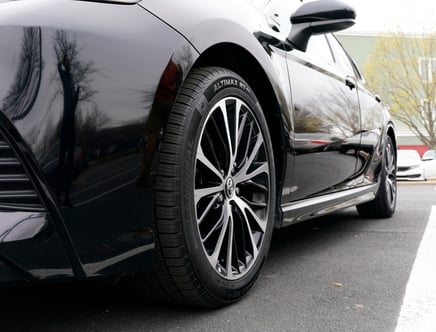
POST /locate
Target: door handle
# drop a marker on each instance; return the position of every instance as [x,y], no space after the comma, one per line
[350,83]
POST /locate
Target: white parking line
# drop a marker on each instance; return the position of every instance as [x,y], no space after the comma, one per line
[418,312]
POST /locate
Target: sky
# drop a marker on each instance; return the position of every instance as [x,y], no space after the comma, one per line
[412,16]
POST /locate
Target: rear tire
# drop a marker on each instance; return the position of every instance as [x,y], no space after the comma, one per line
[383,206]
[215,192]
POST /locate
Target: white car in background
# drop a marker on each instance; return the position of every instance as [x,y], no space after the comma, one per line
[409,165]
[429,164]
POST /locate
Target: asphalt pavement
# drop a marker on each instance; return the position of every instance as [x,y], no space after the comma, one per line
[336,273]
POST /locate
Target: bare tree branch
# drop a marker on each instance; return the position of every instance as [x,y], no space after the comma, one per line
[393,70]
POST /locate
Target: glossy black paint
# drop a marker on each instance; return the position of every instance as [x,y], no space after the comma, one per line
[85,94]
[326,10]
[323,125]
[319,17]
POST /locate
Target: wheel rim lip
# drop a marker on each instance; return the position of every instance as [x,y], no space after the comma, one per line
[231,197]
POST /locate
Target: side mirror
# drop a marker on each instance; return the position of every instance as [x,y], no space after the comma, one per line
[319,17]
[429,155]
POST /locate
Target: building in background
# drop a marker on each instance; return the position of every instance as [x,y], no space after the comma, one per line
[360,46]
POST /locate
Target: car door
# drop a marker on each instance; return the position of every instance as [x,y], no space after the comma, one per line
[372,118]
[327,122]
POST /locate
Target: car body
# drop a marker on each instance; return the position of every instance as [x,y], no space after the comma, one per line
[200,127]
[410,165]
[429,164]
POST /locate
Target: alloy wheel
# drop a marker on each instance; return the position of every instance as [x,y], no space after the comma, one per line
[231,188]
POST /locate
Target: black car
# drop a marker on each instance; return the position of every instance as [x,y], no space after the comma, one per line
[168,139]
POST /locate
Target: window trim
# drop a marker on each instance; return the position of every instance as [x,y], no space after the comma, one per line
[358,75]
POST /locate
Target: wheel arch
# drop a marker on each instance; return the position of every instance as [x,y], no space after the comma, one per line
[239,60]
[392,135]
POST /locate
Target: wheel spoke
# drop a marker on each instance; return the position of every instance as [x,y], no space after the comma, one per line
[263,168]
[258,205]
[218,131]
[204,192]
[220,221]
[391,189]
[243,172]
[390,174]
[391,167]
[241,206]
[390,164]
[219,243]
[230,248]
[250,135]
[244,207]
[208,208]
[224,112]
[206,162]
[256,185]
[259,143]
[241,128]
[212,149]
[391,170]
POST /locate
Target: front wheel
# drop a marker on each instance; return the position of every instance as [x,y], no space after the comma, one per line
[383,206]
[215,193]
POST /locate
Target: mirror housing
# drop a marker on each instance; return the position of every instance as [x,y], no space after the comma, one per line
[429,155]
[319,17]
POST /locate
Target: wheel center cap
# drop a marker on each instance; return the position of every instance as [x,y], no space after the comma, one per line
[230,188]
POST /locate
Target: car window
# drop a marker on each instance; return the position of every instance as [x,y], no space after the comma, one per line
[341,58]
[319,48]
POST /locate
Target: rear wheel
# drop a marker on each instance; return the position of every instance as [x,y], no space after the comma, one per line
[215,192]
[383,206]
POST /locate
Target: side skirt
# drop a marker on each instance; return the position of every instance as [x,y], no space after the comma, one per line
[296,212]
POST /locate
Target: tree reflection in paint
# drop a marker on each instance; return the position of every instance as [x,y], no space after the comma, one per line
[24,90]
[76,87]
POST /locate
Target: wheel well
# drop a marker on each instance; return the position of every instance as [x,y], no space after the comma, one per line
[240,61]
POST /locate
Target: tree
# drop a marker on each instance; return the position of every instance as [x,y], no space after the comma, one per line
[402,69]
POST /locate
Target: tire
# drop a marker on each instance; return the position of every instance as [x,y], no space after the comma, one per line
[215,192]
[384,204]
